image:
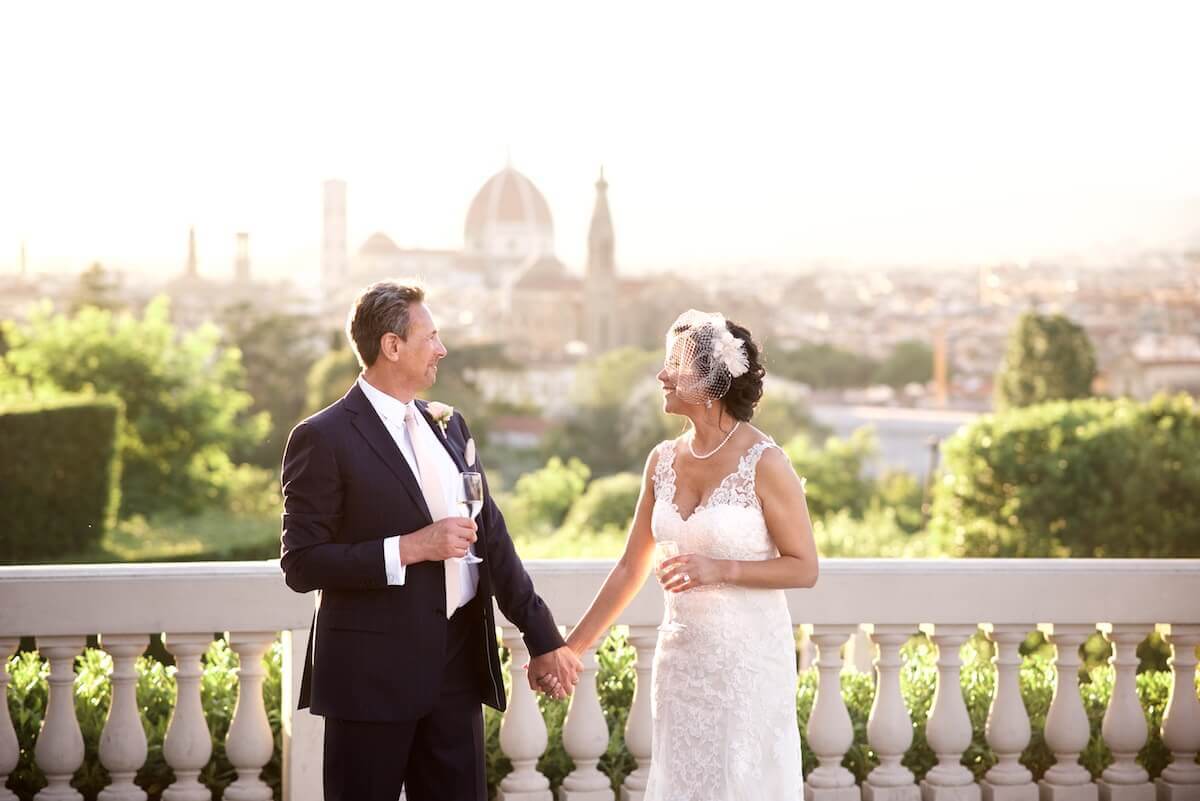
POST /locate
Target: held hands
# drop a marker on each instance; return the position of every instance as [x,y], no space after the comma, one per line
[448,538]
[690,570]
[555,673]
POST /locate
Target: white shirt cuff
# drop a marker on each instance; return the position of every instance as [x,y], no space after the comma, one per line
[391,561]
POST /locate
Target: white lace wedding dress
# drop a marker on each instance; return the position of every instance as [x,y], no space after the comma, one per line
[724,687]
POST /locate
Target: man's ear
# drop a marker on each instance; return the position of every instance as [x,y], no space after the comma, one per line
[389,346]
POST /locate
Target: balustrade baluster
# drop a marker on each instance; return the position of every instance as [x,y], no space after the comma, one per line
[1067,728]
[830,732]
[522,731]
[585,738]
[949,728]
[1008,728]
[1180,781]
[188,746]
[1124,728]
[302,733]
[123,742]
[889,729]
[249,742]
[806,656]
[10,748]
[59,750]
[638,726]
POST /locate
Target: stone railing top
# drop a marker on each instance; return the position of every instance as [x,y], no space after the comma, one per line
[251,596]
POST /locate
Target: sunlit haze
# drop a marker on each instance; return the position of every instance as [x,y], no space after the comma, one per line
[733,134]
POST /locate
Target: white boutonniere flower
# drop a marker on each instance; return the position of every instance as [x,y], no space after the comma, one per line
[469,453]
[441,414]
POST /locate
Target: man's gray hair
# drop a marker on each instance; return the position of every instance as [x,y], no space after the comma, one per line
[381,308]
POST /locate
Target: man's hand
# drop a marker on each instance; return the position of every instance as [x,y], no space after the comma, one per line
[448,538]
[555,673]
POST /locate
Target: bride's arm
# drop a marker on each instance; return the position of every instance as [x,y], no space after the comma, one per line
[627,576]
[786,513]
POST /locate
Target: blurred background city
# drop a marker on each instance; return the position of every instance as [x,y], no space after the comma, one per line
[968,243]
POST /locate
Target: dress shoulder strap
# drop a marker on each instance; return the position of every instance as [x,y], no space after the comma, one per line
[755,453]
[664,471]
[748,467]
[757,450]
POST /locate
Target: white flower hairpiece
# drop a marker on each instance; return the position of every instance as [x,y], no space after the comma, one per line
[730,351]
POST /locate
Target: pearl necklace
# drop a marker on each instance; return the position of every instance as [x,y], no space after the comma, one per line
[692,441]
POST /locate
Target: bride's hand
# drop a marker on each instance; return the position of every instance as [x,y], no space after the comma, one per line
[690,570]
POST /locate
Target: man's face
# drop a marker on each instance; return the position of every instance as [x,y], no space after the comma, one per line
[419,354]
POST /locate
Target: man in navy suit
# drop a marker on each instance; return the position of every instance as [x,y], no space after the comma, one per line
[402,650]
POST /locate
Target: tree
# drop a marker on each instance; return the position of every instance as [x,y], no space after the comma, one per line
[823,366]
[1085,478]
[643,423]
[1048,358]
[835,472]
[97,287]
[608,501]
[546,494]
[329,377]
[275,347]
[910,362]
[616,416]
[186,408]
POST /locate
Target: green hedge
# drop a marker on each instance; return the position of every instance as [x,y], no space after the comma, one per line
[59,475]
[156,688]
[1086,478]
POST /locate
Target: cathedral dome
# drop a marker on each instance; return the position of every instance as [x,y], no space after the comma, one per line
[509,217]
[378,244]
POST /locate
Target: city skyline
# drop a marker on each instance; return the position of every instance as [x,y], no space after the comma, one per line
[777,137]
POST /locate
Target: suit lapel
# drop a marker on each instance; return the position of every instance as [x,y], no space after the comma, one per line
[375,432]
[442,437]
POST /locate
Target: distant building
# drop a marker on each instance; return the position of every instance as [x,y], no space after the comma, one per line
[1155,364]
[507,282]
[197,299]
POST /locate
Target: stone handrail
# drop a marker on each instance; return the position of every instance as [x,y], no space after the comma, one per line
[60,605]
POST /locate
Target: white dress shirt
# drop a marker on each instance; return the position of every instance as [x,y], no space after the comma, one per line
[392,411]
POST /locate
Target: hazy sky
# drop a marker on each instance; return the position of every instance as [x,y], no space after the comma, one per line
[730,132]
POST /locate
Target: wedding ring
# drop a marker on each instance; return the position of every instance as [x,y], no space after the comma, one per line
[686,578]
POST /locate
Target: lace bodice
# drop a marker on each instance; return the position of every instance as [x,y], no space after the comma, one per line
[736,489]
[728,524]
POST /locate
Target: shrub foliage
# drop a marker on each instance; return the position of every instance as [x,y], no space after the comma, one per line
[1087,478]
[59,475]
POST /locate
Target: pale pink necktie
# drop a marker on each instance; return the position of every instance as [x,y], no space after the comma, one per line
[435,499]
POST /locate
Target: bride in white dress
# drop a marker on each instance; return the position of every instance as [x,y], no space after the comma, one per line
[724,680]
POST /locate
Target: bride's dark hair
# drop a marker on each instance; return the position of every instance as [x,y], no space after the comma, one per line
[746,390]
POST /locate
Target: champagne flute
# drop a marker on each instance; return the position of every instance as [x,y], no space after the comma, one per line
[470,496]
[664,550]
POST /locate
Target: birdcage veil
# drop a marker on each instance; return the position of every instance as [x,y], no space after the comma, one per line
[703,356]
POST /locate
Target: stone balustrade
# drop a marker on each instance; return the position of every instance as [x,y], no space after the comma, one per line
[885,600]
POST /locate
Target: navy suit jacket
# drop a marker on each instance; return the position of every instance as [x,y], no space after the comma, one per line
[377,652]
